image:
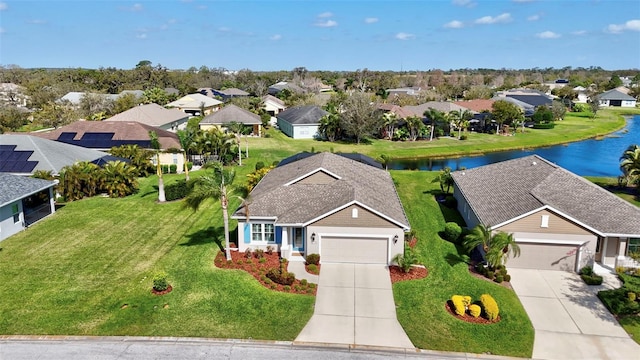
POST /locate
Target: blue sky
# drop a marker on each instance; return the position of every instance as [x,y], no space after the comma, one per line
[321,35]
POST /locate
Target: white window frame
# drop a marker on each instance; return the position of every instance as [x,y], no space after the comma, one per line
[260,229]
[544,221]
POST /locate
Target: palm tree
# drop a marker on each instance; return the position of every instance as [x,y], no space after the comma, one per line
[330,125]
[479,235]
[119,179]
[444,179]
[502,246]
[389,122]
[215,185]
[237,128]
[630,163]
[415,126]
[155,144]
[187,138]
[436,118]
[460,119]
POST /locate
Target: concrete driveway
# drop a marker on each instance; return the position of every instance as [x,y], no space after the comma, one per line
[354,305]
[570,321]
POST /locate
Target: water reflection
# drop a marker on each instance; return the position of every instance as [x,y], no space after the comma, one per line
[586,158]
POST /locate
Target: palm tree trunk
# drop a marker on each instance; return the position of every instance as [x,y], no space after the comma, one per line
[161,197]
[225,217]
[239,152]
[186,167]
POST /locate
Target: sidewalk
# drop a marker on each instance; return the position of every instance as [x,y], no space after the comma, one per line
[297,267]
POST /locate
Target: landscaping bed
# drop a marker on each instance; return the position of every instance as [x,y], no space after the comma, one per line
[259,267]
[416,272]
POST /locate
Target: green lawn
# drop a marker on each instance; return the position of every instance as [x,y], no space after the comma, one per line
[72,273]
[421,303]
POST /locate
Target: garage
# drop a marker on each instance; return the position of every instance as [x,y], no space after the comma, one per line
[546,256]
[362,250]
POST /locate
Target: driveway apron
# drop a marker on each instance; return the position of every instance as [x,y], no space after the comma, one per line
[355,306]
[570,321]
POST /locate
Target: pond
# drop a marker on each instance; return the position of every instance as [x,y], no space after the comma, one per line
[586,158]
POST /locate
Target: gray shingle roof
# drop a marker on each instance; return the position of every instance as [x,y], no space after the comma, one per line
[303,115]
[615,95]
[231,113]
[300,203]
[150,114]
[51,155]
[14,187]
[233,92]
[503,191]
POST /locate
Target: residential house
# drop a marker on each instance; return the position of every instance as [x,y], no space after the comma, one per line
[561,221]
[23,201]
[103,135]
[230,93]
[342,209]
[301,122]
[153,115]
[272,105]
[75,97]
[232,113]
[276,88]
[194,104]
[400,112]
[582,96]
[26,154]
[527,109]
[12,94]
[476,105]
[616,98]
[405,91]
[443,106]
[533,98]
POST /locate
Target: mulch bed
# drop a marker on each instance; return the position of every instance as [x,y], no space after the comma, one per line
[472,271]
[468,318]
[258,269]
[166,291]
[416,272]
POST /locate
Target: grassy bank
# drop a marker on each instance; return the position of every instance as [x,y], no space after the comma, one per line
[575,127]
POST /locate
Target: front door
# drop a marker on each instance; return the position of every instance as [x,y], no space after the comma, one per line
[298,239]
[599,244]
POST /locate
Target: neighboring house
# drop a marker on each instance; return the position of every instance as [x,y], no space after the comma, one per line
[172,91]
[272,105]
[477,105]
[327,204]
[25,154]
[616,98]
[75,97]
[560,220]
[230,93]
[193,104]
[408,91]
[443,106]
[23,201]
[533,98]
[12,94]
[232,113]
[153,115]
[276,88]
[301,122]
[582,96]
[526,108]
[400,112]
[103,135]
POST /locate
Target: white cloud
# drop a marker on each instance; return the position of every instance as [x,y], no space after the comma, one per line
[502,18]
[371,20]
[3,6]
[404,36]
[328,23]
[325,15]
[141,36]
[579,32]
[464,3]
[547,35]
[455,24]
[533,18]
[275,37]
[631,25]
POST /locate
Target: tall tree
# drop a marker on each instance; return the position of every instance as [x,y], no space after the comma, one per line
[630,164]
[237,128]
[217,186]
[330,125]
[460,119]
[360,118]
[415,127]
[389,123]
[504,112]
[187,138]
[155,144]
[436,117]
[156,96]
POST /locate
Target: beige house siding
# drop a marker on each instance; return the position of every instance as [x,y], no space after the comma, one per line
[345,218]
[533,223]
[317,178]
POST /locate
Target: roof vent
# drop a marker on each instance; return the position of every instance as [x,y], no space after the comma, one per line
[534,163]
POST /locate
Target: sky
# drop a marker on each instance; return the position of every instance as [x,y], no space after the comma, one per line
[321,35]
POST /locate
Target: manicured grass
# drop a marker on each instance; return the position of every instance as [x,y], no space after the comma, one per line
[575,126]
[73,272]
[421,303]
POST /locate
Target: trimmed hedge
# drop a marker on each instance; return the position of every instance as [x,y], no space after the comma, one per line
[458,304]
[490,306]
[176,190]
[592,279]
[313,259]
[452,231]
[544,126]
[475,310]
[173,168]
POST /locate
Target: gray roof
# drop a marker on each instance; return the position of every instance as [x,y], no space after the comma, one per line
[151,114]
[51,155]
[298,203]
[303,115]
[233,92]
[615,95]
[443,106]
[500,192]
[274,100]
[14,187]
[231,113]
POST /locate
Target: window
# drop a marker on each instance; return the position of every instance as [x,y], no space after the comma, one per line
[262,233]
[545,221]
[634,246]
[354,213]
[16,213]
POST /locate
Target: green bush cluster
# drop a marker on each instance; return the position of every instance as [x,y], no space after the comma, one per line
[313,259]
[160,282]
[490,307]
[313,269]
[544,126]
[589,277]
[173,168]
[452,232]
[624,300]
[189,165]
[176,190]
[164,168]
[499,274]
[281,276]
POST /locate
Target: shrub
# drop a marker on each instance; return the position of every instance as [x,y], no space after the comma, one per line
[247,261]
[480,269]
[248,254]
[176,190]
[304,282]
[312,285]
[592,279]
[458,304]
[499,278]
[259,165]
[281,276]
[631,296]
[490,307]
[544,125]
[160,281]
[475,310]
[262,260]
[269,249]
[507,278]
[463,137]
[296,287]
[406,261]
[164,168]
[489,274]
[173,168]
[587,270]
[189,165]
[313,259]
[259,254]
[452,231]
[287,288]
[313,269]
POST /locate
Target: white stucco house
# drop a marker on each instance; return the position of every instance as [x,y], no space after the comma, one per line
[301,122]
[616,98]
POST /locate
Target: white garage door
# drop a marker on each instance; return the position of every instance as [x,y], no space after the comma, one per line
[545,256]
[353,250]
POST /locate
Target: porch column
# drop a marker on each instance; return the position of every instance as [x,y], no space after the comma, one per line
[52,200]
[284,246]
